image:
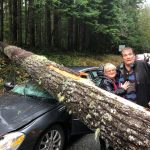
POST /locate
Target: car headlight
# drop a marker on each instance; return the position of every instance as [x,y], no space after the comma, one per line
[11,141]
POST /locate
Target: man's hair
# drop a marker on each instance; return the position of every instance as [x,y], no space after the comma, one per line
[127,48]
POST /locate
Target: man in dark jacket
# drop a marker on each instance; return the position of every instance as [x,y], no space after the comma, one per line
[138,74]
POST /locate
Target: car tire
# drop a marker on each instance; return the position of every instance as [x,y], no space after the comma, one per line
[52,139]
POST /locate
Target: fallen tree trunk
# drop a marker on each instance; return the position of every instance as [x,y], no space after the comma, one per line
[121,123]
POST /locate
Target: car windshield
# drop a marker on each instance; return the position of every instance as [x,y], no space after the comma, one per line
[31,89]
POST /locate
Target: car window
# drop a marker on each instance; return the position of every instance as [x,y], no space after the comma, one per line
[31,89]
[93,74]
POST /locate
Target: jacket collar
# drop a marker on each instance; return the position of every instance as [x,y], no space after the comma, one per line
[121,66]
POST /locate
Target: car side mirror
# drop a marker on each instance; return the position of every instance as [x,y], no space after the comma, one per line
[8,86]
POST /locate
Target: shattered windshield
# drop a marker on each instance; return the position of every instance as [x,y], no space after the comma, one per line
[31,89]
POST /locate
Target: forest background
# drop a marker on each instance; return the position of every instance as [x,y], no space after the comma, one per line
[74,32]
[86,26]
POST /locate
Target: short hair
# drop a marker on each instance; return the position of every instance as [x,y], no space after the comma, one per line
[127,48]
[109,65]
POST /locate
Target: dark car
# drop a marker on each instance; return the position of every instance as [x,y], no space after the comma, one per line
[30,119]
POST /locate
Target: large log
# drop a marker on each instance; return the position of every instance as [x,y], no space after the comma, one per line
[123,124]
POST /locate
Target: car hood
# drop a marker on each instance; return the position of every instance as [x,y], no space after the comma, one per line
[17,111]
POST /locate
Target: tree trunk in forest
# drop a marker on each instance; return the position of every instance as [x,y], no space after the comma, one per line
[1,20]
[70,34]
[87,38]
[10,20]
[19,37]
[56,31]
[81,36]
[31,24]
[76,35]
[19,34]
[123,124]
[26,23]
[38,29]
[14,22]
[48,25]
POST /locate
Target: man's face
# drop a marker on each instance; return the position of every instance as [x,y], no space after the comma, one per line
[128,56]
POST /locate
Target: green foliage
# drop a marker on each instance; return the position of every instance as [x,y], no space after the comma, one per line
[113,22]
[143,34]
[79,59]
[84,9]
[40,2]
[10,71]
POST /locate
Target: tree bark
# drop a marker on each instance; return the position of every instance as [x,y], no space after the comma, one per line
[70,34]
[10,5]
[56,31]
[1,20]
[26,16]
[121,123]
[38,29]
[48,24]
[14,21]
[19,34]
[31,22]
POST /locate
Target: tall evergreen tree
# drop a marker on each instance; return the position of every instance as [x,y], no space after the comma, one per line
[1,20]
[76,25]
[19,23]
[31,22]
[14,21]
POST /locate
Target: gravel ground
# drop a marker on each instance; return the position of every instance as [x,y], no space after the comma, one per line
[86,142]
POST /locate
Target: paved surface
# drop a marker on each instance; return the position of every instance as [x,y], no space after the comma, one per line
[86,142]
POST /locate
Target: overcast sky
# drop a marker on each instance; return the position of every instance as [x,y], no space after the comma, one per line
[147,2]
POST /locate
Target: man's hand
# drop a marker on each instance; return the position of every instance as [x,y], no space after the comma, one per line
[149,103]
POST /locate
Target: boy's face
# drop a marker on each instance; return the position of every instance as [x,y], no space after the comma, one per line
[128,56]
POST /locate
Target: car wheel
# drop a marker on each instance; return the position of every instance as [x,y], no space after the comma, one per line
[52,139]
